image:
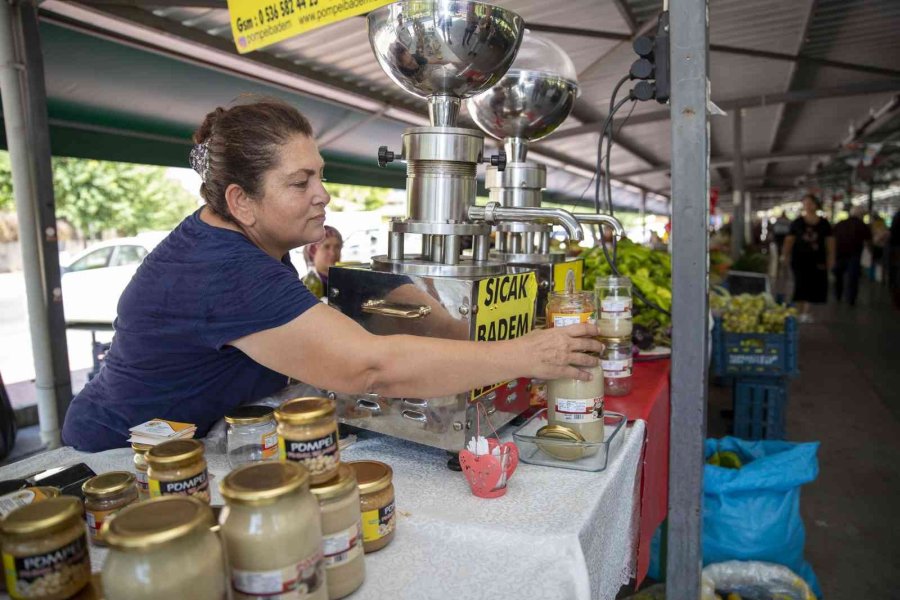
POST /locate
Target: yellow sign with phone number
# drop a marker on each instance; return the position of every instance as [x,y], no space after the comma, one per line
[256,24]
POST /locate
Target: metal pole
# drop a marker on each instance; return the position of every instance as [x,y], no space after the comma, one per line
[13,92]
[738,216]
[748,218]
[36,97]
[690,318]
[644,215]
[871,208]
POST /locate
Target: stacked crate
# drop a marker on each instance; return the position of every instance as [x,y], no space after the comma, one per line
[760,366]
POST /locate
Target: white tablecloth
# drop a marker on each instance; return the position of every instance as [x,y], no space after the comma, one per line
[556,534]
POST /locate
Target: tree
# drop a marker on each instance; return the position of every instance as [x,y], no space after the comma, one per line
[96,196]
[370,198]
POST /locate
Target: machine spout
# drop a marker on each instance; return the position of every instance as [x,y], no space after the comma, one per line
[598,219]
[492,213]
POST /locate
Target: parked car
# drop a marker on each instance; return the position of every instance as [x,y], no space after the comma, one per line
[95,278]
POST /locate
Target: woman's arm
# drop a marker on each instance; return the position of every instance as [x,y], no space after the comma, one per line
[326,349]
[787,248]
[829,252]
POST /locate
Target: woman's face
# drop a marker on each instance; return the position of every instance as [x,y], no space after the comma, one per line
[327,254]
[809,206]
[291,211]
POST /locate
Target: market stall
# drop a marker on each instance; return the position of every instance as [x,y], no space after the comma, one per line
[588,491]
[449,542]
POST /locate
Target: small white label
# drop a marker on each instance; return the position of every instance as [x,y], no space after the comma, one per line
[14,500]
[615,369]
[270,440]
[342,546]
[257,582]
[579,410]
[565,320]
[298,581]
[141,478]
[615,308]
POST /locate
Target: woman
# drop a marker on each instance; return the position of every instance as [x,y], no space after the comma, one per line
[321,256]
[809,249]
[216,316]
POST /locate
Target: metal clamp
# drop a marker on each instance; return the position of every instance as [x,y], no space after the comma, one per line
[415,415]
[397,311]
[369,405]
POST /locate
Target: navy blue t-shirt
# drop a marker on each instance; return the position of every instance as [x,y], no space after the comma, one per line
[200,289]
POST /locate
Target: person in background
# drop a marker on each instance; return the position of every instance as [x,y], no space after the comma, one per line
[320,257]
[781,227]
[809,249]
[893,250]
[881,235]
[850,237]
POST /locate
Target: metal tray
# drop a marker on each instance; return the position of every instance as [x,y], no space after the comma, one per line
[583,456]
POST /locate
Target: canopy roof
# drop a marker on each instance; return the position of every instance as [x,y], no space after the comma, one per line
[131,79]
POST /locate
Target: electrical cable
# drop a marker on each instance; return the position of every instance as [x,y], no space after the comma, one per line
[603,166]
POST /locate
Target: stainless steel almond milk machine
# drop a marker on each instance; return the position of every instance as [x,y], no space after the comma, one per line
[444,52]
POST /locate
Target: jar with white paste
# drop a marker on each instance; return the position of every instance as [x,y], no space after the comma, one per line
[272,533]
[342,537]
[164,548]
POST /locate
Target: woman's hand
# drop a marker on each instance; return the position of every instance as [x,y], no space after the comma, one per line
[558,352]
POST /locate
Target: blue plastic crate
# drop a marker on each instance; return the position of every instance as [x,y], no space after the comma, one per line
[756,354]
[760,405]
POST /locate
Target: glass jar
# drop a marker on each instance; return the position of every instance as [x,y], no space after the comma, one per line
[569,308]
[577,404]
[163,548]
[45,550]
[376,502]
[308,434]
[178,467]
[251,435]
[614,303]
[104,495]
[140,470]
[272,532]
[13,500]
[617,364]
[342,539]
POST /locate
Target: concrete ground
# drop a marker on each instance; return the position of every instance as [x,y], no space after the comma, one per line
[847,397]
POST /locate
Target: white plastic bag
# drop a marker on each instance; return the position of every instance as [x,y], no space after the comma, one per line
[752,578]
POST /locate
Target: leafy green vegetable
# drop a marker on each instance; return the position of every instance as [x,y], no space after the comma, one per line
[650,271]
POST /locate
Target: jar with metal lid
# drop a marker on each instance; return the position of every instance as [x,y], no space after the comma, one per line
[45,550]
[578,404]
[105,494]
[251,434]
[376,501]
[569,308]
[308,434]
[272,532]
[617,364]
[140,470]
[163,548]
[178,467]
[565,444]
[13,500]
[614,303]
[342,539]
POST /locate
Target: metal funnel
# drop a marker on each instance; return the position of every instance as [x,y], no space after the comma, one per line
[444,50]
[534,97]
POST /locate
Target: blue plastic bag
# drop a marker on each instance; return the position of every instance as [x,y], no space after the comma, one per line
[753,513]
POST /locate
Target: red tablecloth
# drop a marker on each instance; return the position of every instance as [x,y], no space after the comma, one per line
[649,400]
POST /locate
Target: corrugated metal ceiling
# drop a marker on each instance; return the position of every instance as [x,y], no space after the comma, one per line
[857,31]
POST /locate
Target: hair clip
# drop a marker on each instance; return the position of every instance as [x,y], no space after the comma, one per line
[200,159]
